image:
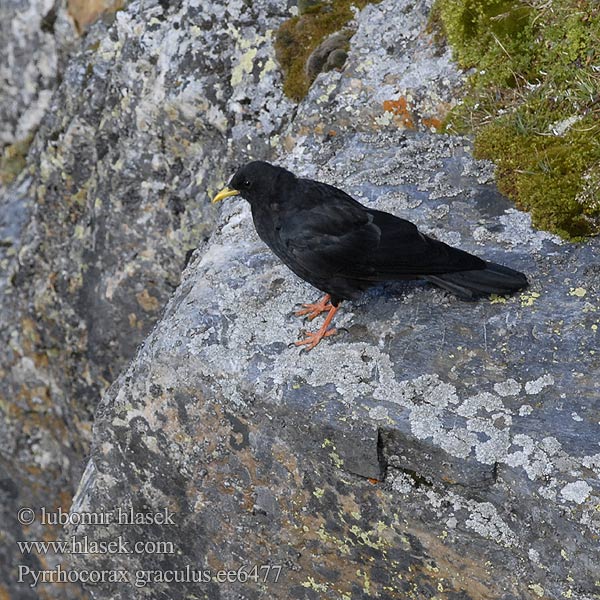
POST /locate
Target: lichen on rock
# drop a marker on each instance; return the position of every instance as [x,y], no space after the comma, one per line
[95,229]
[426,400]
[434,447]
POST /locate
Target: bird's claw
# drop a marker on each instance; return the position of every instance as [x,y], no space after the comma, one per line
[312,339]
[314,309]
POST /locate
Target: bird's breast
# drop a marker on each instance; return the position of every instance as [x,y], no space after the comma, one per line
[268,226]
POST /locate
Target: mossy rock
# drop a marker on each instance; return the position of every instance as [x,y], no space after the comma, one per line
[533,102]
[14,159]
[330,54]
[299,37]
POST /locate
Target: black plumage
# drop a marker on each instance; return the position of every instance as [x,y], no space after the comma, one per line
[342,247]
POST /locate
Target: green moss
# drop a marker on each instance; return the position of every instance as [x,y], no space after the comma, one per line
[533,101]
[298,37]
[544,173]
[13,160]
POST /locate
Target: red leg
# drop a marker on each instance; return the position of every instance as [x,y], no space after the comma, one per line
[315,309]
[312,339]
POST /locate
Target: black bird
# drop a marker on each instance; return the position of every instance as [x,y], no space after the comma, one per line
[342,247]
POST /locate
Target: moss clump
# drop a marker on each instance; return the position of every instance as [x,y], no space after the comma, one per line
[533,101]
[545,174]
[14,159]
[298,37]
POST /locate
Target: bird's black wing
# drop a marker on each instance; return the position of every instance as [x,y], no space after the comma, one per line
[332,238]
[404,250]
[330,233]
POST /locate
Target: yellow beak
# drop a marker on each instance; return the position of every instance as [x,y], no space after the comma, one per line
[224,193]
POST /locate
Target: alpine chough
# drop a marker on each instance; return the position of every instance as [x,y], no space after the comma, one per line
[342,247]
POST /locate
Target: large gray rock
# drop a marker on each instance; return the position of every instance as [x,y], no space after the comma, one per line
[478,420]
[151,111]
[485,450]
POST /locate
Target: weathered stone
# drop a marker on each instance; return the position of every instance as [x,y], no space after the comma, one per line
[395,76]
[476,423]
[154,107]
[483,470]
[36,36]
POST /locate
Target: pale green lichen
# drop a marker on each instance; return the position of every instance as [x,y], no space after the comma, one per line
[365,538]
[13,160]
[529,298]
[579,292]
[537,589]
[313,585]
[244,66]
[325,536]
[367,579]
[336,460]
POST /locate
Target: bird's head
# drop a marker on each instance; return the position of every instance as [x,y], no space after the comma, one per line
[256,181]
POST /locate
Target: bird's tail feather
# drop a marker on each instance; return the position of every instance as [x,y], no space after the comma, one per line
[494,279]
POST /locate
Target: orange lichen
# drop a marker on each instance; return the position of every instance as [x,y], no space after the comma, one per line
[148,302]
[399,108]
[432,123]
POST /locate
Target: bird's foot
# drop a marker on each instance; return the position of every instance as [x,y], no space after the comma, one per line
[316,308]
[313,338]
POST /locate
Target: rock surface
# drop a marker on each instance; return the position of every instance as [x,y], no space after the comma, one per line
[35,36]
[395,77]
[437,448]
[152,110]
[479,421]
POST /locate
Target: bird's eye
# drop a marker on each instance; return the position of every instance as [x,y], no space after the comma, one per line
[247,183]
